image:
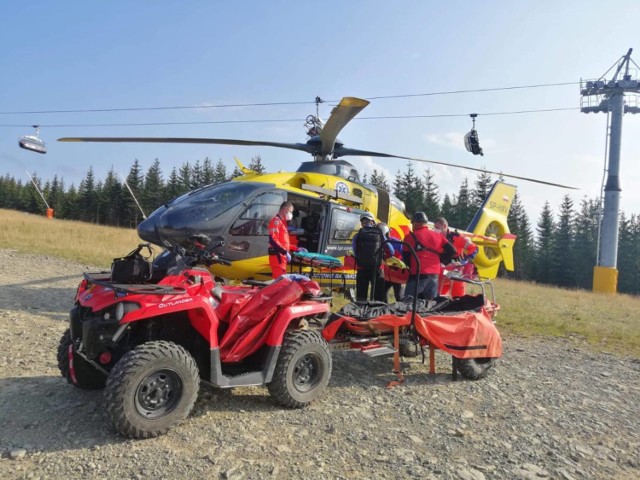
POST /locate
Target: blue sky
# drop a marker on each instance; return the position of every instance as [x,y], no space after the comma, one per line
[62,55]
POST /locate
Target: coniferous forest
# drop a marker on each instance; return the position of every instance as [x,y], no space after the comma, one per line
[557,248]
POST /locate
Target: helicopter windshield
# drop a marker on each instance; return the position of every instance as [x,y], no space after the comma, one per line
[200,210]
[213,200]
[255,218]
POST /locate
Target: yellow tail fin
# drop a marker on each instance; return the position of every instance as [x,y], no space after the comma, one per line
[491,232]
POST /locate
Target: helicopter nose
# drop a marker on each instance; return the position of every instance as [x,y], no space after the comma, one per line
[147,230]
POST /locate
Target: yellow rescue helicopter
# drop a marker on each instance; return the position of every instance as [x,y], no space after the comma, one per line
[328,199]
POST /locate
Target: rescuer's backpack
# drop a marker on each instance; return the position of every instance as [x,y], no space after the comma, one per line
[369,247]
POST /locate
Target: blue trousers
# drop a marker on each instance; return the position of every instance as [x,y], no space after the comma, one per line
[427,286]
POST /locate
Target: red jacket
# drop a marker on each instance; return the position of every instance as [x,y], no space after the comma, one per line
[278,235]
[429,261]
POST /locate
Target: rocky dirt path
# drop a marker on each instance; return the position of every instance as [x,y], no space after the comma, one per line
[551,409]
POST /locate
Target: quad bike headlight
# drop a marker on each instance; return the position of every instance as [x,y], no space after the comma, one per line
[125,307]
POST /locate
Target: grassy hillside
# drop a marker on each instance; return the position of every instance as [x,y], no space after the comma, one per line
[82,242]
[608,323]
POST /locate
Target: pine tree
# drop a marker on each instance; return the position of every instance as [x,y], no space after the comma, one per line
[544,245]
[482,187]
[31,200]
[448,209]
[56,196]
[88,197]
[111,199]
[220,172]
[184,174]
[430,195]
[207,172]
[8,192]
[256,165]
[585,247]
[410,190]
[463,208]
[236,173]
[379,180]
[173,188]
[398,188]
[628,261]
[132,215]
[71,205]
[153,192]
[196,176]
[523,249]
[562,268]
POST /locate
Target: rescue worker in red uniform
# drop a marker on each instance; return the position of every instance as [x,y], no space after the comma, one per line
[279,244]
[428,245]
[466,251]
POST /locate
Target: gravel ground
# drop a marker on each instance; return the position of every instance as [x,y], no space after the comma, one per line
[551,409]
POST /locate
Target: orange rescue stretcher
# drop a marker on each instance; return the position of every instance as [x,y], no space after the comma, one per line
[463,327]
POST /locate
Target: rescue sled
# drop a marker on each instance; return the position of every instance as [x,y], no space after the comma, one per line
[463,327]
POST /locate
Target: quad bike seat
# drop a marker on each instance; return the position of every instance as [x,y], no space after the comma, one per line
[218,291]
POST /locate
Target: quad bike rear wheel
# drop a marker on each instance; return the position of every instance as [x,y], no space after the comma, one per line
[303,369]
[151,388]
[85,375]
[474,368]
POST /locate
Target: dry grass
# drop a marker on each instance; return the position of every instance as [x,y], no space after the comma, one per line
[82,242]
[610,323]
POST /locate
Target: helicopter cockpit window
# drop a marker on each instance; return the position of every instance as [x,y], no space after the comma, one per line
[254,220]
[344,225]
[217,198]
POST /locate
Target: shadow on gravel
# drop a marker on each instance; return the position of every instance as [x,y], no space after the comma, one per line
[353,369]
[350,370]
[48,414]
[42,294]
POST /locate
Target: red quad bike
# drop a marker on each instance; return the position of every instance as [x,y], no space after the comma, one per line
[149,344]
[463,327]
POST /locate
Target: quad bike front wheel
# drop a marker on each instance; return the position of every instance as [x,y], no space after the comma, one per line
[79,373]
[474,368]
[151,388]
[303,369]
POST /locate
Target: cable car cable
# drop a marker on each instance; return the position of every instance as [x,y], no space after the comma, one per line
[268,104]
[283,120]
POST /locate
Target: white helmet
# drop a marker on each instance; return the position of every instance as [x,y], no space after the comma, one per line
[384,228]
[367,216]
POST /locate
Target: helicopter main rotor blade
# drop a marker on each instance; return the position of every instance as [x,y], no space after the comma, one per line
[348,108]
[216,141]
[342,151]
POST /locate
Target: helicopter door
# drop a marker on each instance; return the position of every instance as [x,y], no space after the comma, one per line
[343,227]
[248,233]
[307,228]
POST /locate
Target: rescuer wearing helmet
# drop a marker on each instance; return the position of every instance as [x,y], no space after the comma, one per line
[279,244]
[428,245]
[367,247]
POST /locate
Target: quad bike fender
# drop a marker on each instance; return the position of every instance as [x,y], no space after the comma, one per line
[199,310]
[291,313]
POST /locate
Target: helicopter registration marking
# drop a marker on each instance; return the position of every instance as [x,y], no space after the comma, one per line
[498,208]
[173,304]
